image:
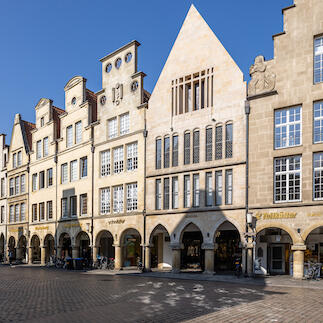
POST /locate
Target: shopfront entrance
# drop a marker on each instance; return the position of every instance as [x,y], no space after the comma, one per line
[65,245]
[35,249]
[49,244]
[21,252]
[83,241]
[314,249]
[12,248]
[104,243]
[131,248]
[2,248]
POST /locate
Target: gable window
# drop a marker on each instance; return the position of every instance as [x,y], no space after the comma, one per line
[132,156]
[124,124]
[228,140]
[73,170]
[132,199]
[288,127]
[187,148]
[41,179]
[118,199]
[228,186]
[318,59]
[19,156]
[83,204]
[118,160]
[166,152]
[38,149]
[187,191]
[49,177]
[34,182]
[158,153]
[83,167]
[64,173]
[175,151]
[158,194]
[196,147]
[105,163]
[112,128]
[105,200]
[69,136]
[45,143]
[166,193]
[14,161]
[42,122]
[218,142]
[78,132]
[318,176]
[208,144]
[318,122]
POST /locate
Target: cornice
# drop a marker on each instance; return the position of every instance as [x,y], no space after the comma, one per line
[134,42]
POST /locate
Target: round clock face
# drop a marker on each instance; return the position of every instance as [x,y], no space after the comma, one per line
[134,86]
[103,100]
[109,68]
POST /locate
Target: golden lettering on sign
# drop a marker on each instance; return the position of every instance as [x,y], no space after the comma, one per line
[314,214]
[14,230]
[41,228]
[117,221]
[275,215]
[72,225]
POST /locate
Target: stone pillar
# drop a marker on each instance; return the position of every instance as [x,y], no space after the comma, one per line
[95,254]
[147,259]
[160,253]
[43,256]
[243,260]
[208,258]
[118,257]
[59,252]
[176,261]
[250,259]
[75,252]
[298,260]
[30,255]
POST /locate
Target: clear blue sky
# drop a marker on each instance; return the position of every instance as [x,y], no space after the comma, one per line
[45,43]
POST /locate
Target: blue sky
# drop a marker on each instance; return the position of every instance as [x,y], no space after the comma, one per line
[45,43]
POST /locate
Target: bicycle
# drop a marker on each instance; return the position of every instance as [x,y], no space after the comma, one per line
[111,264]
[140,265]
[314,271]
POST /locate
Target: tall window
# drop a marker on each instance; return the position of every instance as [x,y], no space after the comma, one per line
[318,122]
[158,196]
[196,147]
[2,214]
[228,186]
[118,199]
[105,163]
[208,144]
[22,212]
[166,152]
[105,200]
[41,179]
[41,211]
[196,190]
[34,212]
[318,60]
[45,144]
[187,148]
[175,192]
[175,151]
[64,207]
[188,98]
[49,208]
[3,189]
[124,124]
[218,187]
[228,140]
[17,211]
[14,161]
[132,156]
[34,182]
[42,121]
[196,96]
[64,173]
[69,136]
[78,132]
[287,179]
[118,160]
[112,128]
[218,142]
[83,204]
[73,206]
[132,197]
[11,187]
[318,176]
[288,127]
[12,213]
[158,153]
[166,193]
[187,191]
[19,156]
[22,183]
[73,170]
[17,185]
[49,177]
[209,189]
[83,167]
[38,149]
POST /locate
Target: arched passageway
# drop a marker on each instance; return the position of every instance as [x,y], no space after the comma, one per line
[49,244]
[12,249]
[314,249]
[35,249]
[131,248]
[65,246]
[104,244]
[83,243]
[2,248]
[21,251]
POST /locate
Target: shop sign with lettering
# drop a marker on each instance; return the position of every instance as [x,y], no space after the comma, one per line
[121,221]
[275,215]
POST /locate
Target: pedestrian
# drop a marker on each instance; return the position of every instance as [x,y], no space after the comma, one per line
[10,257]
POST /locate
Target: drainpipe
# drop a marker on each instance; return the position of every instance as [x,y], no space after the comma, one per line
[92,193]
[56,195]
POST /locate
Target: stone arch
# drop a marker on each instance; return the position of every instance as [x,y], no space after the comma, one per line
[309,229]
[64,245]
[12,242]
[130,242]
[49,246]
[100,234]
[233,222]
[121,236]
[176,236]
[21,248]
[104,244]
[157,227]
[35,248]
[293,234]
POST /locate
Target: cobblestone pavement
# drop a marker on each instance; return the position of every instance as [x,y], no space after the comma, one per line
[45,295]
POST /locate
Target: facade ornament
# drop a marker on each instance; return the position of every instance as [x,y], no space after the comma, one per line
[262,79]
[117,93]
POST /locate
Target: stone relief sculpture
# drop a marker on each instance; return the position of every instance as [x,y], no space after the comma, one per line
[262,79]
[117,93]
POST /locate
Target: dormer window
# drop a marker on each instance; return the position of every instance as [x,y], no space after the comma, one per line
[42,122]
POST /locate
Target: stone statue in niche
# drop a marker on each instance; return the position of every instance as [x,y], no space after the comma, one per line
[262,79]
[117,93]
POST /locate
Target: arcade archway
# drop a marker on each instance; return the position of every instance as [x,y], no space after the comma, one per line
[21,251]
[131,248]
[83,242]
[12,248]
[104,244]
[35,249]
[49,244]
[65,246]
[2,248]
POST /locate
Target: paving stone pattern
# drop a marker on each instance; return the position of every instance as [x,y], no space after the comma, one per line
[45,295]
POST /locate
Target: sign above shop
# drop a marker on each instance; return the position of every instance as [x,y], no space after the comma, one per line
[275,215]
[41,228]
[121,221]
[314,214]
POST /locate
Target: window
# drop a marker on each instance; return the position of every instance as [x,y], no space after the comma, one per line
[11,187]
[112,128]
[228,140]
[2,214]
[175,151]
[318,122]
[17,207]
[83,204]
[218,187]
[196,190]
[64,173]
[188,98]
[14,161]
[132,156]
[105,163]
[64,207]
[124,124]
[41,211]
[187,148]
[41,179]
[78,132]
[22,183]
[228,186]
[318,176]
[34,212]
[11,214]
[49,177]
[45,144]
[196,147]
[49,210]
[73,206]
[318,60]
[69,136]
[118,199]
[3,192]
[38,149]
[218,142]
[105,200]
[209,189]
[288,179]
[166,152]
[158,194]
[187,191]
[83,166]
[17,185]
[118,160]
[175,192]
[19,156]
[34,180]
[73,170]
[158,153]
[42,122]
[196,96]
[166,193]
[208,144]
[22,212]
[288,127]
[132,199]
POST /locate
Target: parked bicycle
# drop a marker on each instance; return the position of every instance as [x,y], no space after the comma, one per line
[111,264]
[314,271]
[140,265]
[237,267]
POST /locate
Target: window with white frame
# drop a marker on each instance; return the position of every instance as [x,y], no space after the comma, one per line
[49,177]
[287,180]
[132,197]
[11,187]
[19,157]
[124,124]
[318,122]
[105,200]
[158,194]
[34,182]
[175,192]
[166,152]
[22,183]
[288,127]
[73,206]
[14,161]
[34,212]
[175,151]
[187,148]
[318,59]
[17,212]
[22,212]
[118,199]
[64,209]
[49,208]
[38,149]
[158,153]
[17,185]
[78,132]
[41,180]
[112,128]
[11,214]
[41,211]
[105,163]
[69,136]
[209,189]
[83,167]
[132,156]
[228,186]
[318,176]
[73,170]
[187,191]
[218,187]
[166,193]
[46,148]
[196,190]
[118,160]
[83,204]
[209,144]
[64,173]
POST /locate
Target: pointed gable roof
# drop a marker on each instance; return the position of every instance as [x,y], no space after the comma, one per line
[26,128]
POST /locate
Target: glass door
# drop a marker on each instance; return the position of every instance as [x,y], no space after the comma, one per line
[277,259]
